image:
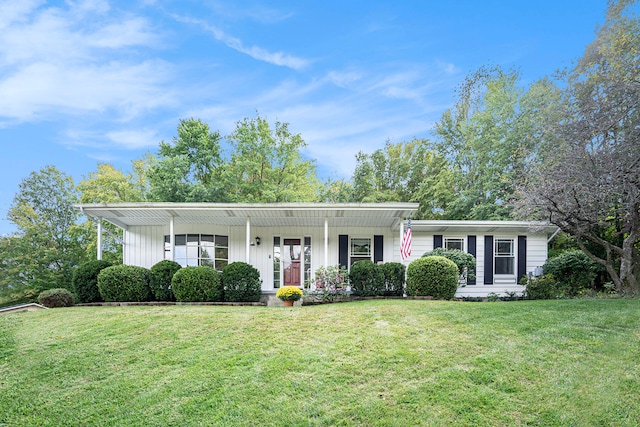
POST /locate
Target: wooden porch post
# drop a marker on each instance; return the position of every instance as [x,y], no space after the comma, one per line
[326,242]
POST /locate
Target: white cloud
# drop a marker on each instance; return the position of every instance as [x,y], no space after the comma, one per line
[56,60]
[256,52]
[134,139]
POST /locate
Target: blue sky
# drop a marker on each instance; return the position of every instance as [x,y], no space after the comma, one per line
[83,82]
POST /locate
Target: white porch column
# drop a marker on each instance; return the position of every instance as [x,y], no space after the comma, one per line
[99,248]
[326,242]
[248,246]
[172,239]
[401,237]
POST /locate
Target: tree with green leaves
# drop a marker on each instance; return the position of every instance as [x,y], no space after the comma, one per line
[489,137]
[404,172]
[108,185]
[49,243]
[266,165]
[187,169]
[589,184]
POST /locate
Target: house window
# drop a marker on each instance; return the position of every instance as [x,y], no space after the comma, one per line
[360,249]
[276,262]
[504,256]
[199,249]
[454,243]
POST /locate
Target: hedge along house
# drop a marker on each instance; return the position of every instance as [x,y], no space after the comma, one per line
[288,242]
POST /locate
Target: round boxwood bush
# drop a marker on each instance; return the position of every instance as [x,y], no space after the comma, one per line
[124,283]
[393,278]
[197,284]
[434,276]
[366,279]
[573,270]
[85,280]
[241,282]
[462,259]
[160,281]
[57,297]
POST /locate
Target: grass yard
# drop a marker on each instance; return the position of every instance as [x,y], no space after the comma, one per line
[373,363]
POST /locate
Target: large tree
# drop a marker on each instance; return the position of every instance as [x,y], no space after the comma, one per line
[49,243]
[266,165]
[489,137]
[187,169]
[109,185]
[589,184]
[403,172]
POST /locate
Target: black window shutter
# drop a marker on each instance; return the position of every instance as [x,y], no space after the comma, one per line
[378,249]
[471,248]
[488,260]
[522,257]
[437,241]
[343,250]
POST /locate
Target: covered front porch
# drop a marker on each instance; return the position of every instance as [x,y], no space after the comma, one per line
[286,242]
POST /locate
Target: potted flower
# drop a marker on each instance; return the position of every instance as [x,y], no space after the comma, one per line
[289,294]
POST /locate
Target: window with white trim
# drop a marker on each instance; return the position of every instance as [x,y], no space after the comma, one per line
[454,243]
[199,249]
[359,249]
[504,256]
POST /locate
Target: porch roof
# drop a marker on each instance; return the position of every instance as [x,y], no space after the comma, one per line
[452,226]
[125,215]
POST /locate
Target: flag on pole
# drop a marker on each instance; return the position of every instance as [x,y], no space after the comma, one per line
[405,246]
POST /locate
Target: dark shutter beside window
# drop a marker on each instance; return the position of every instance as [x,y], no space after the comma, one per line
[488,260]
[378,248]
[343,250]
[522,257]
[471,248]
[437,241]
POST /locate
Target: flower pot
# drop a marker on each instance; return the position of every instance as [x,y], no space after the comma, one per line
[288,303]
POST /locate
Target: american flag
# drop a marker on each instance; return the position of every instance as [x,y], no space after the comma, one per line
[405,246]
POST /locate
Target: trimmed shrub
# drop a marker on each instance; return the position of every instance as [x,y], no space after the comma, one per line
[160,279]
[393,278]
[573,270]
[124,283]
[57,297]
[434,276]
[366,279]
[241,282]
[463,260]
[197,284]
[85,280]
[543,287]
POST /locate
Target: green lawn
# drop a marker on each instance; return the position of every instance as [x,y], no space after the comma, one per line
[373,363]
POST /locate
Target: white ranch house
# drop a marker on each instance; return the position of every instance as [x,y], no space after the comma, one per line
[288,242]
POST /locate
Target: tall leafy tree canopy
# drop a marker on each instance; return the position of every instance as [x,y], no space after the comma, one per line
[49,242]
[488,138]
[266,165]
[589,184]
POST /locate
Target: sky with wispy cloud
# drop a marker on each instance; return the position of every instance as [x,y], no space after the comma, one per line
[88,81]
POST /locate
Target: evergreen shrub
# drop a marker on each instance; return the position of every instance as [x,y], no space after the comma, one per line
[56,297]
[85,280]
[197,284]
[124,283]
[160,280]
[434,276]
[394,273]
[463,260]
[241,282]
[366,279]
